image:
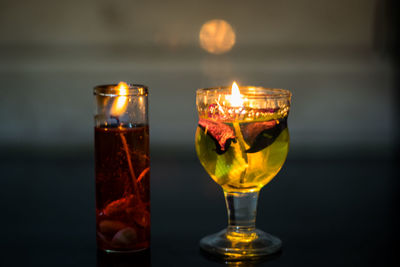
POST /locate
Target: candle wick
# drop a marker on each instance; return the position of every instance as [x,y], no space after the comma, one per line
[115,118]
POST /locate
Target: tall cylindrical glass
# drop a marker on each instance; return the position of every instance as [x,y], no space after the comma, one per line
[122,167]
[242,141]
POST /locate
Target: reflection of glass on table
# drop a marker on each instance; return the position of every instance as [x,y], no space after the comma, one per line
[139,259]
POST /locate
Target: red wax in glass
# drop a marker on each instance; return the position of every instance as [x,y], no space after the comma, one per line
[122,188]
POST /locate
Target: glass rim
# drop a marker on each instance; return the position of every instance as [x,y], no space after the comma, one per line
[110,90]
[259,91]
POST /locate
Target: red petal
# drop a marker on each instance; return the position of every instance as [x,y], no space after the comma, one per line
[219,131]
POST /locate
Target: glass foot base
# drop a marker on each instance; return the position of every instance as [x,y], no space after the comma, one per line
[231,245]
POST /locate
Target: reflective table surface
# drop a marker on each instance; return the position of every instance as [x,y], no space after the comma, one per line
[329,210]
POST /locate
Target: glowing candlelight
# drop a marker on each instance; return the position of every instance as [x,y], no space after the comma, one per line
[235,98]
[120,104]
[217,36]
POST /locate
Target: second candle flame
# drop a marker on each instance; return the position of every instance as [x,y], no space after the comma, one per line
[235,98]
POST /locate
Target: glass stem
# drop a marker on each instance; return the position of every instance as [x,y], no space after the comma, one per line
[242,210]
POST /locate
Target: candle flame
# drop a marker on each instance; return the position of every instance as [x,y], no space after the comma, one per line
[120,104]
[235,98]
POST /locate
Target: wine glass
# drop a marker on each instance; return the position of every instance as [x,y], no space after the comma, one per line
[242,141]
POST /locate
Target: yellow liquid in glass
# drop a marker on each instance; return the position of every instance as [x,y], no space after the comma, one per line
[237,170]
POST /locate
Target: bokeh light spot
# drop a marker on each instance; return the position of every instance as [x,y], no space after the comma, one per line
[217,36]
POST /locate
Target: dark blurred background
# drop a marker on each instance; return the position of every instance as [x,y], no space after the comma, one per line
[335,202]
